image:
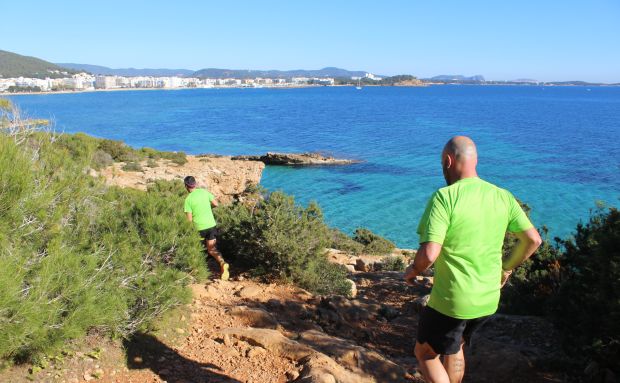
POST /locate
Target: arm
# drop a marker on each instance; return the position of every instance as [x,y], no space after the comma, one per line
[189,216]
[425,257]
[529,241]
[214,203]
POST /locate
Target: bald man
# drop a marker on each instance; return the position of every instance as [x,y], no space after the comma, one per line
[462,232]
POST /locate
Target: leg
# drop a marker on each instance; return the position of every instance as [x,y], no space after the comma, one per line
[455,365]
[215,253]
[430,365]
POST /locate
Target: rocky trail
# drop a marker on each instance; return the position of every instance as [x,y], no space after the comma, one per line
[246,331]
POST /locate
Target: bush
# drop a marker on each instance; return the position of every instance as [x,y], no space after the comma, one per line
[575,283]
[151,163]
[119,151]
[101,160]
[76,255]
[587,308]
[341,241]
[373,244]
[132,167]
[178,158]
[279,239]
[392,263]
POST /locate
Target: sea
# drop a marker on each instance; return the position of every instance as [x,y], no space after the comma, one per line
[555,148]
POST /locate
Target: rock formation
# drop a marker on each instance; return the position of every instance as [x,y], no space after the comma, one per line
[297,159]
[225,177]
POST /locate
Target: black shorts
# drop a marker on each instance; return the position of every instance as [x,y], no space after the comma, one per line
[444,333]
[208,234]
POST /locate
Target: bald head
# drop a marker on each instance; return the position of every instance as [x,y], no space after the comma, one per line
[462,148]
[459,159]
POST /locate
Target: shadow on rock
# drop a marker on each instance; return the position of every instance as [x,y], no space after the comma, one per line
[145,351]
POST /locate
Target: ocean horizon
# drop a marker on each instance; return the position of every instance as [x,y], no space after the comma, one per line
[555,148]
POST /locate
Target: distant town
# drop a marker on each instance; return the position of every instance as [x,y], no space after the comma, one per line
[85,82]
[25,74]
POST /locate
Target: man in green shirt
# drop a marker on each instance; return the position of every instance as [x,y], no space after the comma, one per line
[197,208]
[462,232]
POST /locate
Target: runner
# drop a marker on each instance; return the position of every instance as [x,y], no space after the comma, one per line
[197,208]
[462,232]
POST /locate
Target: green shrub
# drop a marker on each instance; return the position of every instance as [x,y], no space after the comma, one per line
[179,158]
[151,163]
[101,160]
[277,238]
[393,263]
[132,167]
[587,307]
[575,283]
[76,255]
[343,242]
[150,153]
[119,151]
[373,243]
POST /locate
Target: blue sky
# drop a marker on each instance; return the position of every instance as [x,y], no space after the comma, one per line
[542,39]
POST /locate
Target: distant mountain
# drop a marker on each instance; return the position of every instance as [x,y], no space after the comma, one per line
[14,65]
[128,72]
[246,73]
[458,78]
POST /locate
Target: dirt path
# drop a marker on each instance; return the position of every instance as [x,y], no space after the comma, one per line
[245,331]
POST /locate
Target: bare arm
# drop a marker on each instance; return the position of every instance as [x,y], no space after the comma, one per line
[529,241]
[425,257]
[214,203]
[189,216]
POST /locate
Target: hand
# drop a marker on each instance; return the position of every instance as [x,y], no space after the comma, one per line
[410,275]
[505,276]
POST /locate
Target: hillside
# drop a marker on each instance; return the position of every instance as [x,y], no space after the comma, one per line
[458,78]
[15,65]
[247,73]
[129,72]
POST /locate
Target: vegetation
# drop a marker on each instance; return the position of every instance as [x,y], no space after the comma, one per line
[278,239]
[76,255]
[14,65]
[393,263]
[373,244]
[132,167]
[23,89]
[341,241]
[575,282]
[365,81]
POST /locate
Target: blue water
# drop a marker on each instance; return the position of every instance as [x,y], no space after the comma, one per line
[555,148]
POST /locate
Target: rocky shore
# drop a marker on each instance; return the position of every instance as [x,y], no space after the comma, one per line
[225,177]
[297,159]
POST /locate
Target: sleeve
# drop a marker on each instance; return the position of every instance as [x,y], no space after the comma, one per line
[210,196]
[518,220]
[187,208]
[435,220]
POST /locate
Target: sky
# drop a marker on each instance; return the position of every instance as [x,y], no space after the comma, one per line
[545,40]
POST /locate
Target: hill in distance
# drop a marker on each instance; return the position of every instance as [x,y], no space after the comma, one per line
[458,78]
[128,72]
[246,73]
[15,65]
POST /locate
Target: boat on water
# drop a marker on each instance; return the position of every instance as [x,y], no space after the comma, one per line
[359,84]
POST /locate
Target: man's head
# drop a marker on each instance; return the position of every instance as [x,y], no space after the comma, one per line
[190,183]
[459,159]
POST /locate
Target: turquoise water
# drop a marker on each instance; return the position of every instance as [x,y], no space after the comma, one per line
[555,148]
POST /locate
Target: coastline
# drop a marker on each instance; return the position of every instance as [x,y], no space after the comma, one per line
[5,94]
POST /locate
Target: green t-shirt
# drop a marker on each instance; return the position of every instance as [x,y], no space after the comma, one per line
[198,202]
[469,219]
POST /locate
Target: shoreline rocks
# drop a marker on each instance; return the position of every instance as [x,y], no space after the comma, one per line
[297,159]
[226,178]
